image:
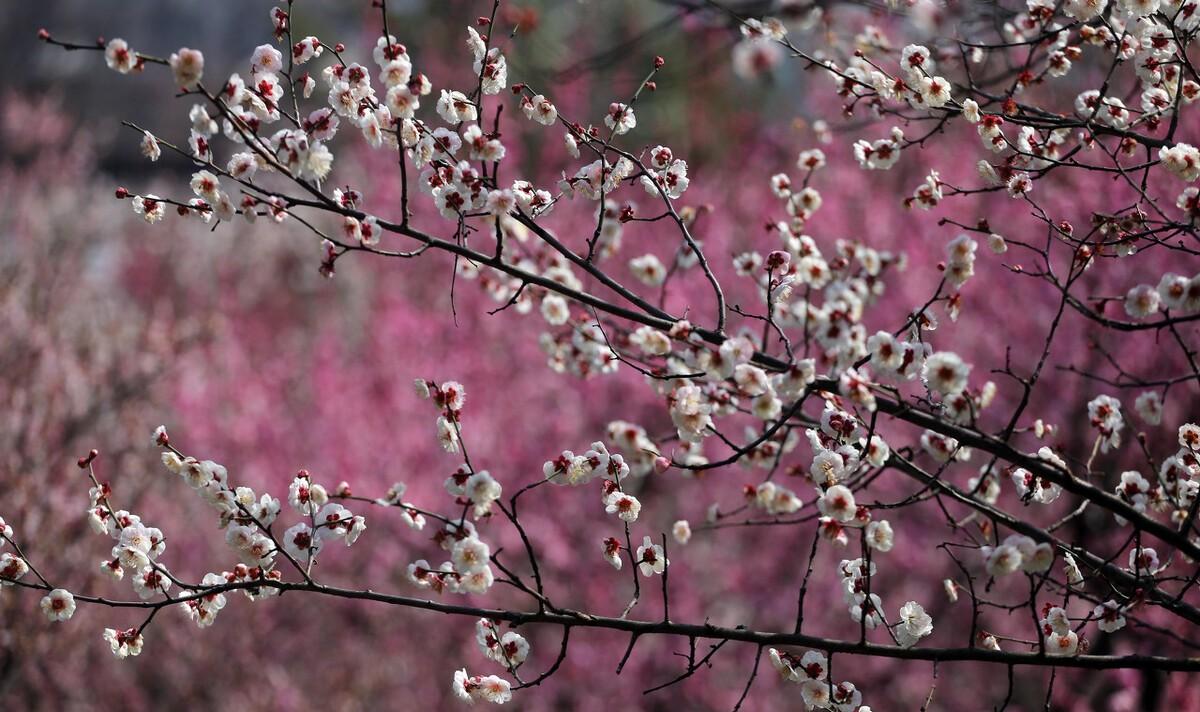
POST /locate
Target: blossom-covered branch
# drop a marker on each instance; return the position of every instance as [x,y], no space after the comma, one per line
[791,360]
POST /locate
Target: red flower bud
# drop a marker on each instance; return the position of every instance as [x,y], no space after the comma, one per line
[88,458]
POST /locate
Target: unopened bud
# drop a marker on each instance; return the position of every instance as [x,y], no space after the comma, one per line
[88,458]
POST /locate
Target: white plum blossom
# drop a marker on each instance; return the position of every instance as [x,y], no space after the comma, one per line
[970,110]
[916,60]
[626,507]
[1109,616]
[470,555]
[783,663]
[124,643]
[648,269]
[482,490]
[1182,159]
[651,341]
[1105,414]
[447,434]
[1189,436]
[188,67]
[1149,407]
[266,60]
[945,373]
[488,688]
[1141,301]
[149,146]
[934,91]
[951,589]
[306,496]
[691,412]
[151,207]
[881,154]
[1002,560]
[12,568]
[612,552]
[555,310]
[571,469]
[510,649]
[58,605]
[811,159]
[538,108]
[776,499]
[914,624]
[672,180]
[1143,561]
[960,261]
[150,581]
[300,543]
[119,56]
[620,118]
[455,108]
[1062,643]
[880,536]
[650,557]
[682,531]
[838,502]
[815,694]
[1084,10]
[1017,552]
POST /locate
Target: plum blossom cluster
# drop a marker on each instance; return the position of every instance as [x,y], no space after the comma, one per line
[1017,553]
[1174,292]
[509,649]
[490,688]
[469,569]
[811,672]
[58,605]
[248,520]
